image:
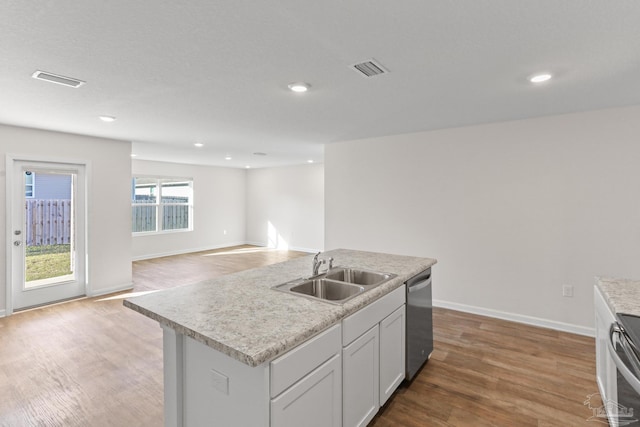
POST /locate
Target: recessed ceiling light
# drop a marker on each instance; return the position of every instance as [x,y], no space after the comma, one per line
[299,87]
[199,144]
[134,155]
[228,158]
[309,161]
[248,167]
[539,78]
[108,119]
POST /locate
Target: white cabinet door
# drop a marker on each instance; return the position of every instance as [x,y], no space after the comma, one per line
[294,365]
[361,379]
[315,400]
[392,351]
[606,374]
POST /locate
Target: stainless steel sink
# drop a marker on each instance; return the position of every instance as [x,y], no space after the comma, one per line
[327,289]
[336,286]
[358,277]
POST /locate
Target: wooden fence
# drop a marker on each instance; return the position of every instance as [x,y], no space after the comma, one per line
[48,222]
[143,218]
[174,217]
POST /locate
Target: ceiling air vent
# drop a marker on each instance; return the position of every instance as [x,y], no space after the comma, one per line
[369,68]
[55,78]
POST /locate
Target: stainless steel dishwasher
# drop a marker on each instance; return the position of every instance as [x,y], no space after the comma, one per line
[419,327]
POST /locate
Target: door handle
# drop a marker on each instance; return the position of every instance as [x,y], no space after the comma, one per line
[630,376]
[17,243]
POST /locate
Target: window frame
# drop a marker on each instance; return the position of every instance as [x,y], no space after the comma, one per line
[158,205]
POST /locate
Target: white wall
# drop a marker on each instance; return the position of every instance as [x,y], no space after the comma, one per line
[109,216]
[218,210]
[512,211]
[285,207]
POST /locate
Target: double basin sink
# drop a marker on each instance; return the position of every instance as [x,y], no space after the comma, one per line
[337,285]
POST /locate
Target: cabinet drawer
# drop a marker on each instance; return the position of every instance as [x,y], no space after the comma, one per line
[290,367]
[361,321]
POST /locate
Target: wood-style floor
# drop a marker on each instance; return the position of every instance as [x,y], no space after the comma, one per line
[491,372]
[92,362]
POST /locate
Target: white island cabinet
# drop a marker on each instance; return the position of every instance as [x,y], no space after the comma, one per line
[341,377]
[361,379]
[306,384]
[204,387]
[373,357]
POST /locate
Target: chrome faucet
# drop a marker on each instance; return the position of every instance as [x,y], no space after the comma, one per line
[317,262]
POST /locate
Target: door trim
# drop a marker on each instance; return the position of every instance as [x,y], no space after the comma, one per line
[10,160]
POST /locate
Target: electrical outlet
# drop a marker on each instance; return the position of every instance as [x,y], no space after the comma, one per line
[567,291]
[220,382]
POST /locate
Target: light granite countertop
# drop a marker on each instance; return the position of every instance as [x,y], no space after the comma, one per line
[622,295]
[242,317]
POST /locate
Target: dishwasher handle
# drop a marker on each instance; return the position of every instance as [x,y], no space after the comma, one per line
[418,285]
[420,281]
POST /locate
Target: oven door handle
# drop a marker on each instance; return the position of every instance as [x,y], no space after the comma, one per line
[624,370]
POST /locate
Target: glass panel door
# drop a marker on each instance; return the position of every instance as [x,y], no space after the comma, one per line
[48,233]
[48,238]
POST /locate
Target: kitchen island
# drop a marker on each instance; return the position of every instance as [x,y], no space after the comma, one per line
[233,345]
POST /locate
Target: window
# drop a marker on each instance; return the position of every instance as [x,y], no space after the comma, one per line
[161,204]
[29,185]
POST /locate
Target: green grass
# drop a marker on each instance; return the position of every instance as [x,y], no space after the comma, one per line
[44,262]
[47,249]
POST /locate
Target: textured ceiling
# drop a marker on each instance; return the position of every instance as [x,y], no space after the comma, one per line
[216,72]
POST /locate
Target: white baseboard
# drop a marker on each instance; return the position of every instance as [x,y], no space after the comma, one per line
[308,250]
[120,288]
[210,248]
[519,318]
[292,248]
[188,251]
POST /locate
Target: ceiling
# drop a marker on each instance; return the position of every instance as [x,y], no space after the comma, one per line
[216,72]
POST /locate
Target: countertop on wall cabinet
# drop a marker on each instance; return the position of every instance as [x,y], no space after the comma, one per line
[622,295]
[242,317]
